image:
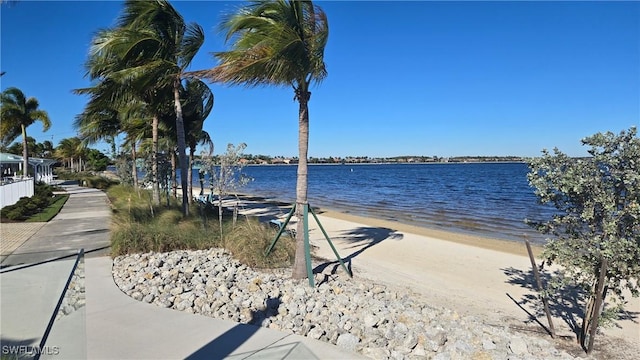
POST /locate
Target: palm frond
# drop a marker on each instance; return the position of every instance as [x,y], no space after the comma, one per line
[191,44]
[272,43]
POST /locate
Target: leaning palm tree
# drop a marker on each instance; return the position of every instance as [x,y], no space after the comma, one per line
[18,113]
[115,63]
[104,119]
[197,107]
[278,43]
[162,47]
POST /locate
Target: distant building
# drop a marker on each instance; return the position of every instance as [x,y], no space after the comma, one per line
[11,168]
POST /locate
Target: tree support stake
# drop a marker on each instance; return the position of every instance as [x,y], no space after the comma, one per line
[307,245]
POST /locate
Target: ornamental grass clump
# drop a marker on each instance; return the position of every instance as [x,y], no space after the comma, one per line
[139,227]
[248,240]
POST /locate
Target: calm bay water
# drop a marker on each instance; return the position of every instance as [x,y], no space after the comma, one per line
[490,199]
[487,199]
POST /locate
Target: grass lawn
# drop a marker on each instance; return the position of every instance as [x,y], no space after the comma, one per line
[51,211]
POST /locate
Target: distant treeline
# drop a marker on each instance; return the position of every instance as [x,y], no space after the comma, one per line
[265,159]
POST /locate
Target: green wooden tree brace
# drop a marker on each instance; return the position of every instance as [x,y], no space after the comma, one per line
[330,243]
[281,230]
[307,246]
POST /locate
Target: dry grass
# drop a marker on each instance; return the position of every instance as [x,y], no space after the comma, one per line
[139,227]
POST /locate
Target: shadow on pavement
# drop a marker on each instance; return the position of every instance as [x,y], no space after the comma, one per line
[225,344]
[16,263]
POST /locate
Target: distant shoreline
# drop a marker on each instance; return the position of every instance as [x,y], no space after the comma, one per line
[399,163]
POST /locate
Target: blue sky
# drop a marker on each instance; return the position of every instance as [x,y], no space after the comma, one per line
[405,78]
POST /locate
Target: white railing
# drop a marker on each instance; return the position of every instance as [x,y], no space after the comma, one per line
[12,192]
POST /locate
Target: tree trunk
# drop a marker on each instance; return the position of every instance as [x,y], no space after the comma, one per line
[181,148]
[299,264]
[190,175]
[594,309]
[25,152]
[174,174]
[154,161]
[134,155]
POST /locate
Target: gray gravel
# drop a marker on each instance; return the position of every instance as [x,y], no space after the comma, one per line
[352,313]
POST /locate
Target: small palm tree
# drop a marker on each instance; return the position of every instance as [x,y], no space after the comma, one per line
[17,114]
[278,43]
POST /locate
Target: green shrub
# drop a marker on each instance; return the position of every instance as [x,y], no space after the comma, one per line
[42,190]
[97,182]
[29,206]
[12,214]
[50,211]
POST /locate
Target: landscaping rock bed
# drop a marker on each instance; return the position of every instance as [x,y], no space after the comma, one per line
[352,313]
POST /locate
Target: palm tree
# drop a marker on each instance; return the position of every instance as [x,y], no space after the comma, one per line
[104,119]
[197,107]
[17,114]
[70,149]
[110,62]
[151,49]
[46,149]
[278,43]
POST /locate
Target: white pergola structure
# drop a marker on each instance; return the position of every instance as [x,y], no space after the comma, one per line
[11,164]
[43,169]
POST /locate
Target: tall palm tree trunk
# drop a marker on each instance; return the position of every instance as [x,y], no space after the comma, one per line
[299,266]
[181,148]
[190,177]
[154,161]
[174,172]
[134,166]
[25,151]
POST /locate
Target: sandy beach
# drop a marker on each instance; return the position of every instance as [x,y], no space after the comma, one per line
[472,275]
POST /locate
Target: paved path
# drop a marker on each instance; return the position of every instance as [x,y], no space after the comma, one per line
[12,235]
[83,222]
[112,325]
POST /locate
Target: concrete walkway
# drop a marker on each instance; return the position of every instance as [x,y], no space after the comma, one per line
[112,325]
[83,222]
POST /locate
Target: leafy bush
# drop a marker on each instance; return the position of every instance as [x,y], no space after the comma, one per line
[29,206]
[51,211]
[97,182]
